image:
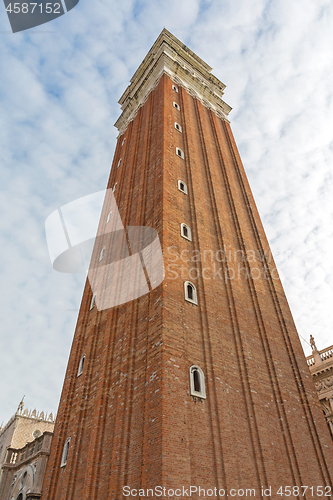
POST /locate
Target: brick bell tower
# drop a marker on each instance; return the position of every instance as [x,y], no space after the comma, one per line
[201,381]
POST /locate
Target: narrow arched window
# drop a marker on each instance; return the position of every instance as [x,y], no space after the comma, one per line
[178,127]
[124,139]
[81,365]
[101,255]
[182,187]
[190,292]
[119,162]
[108,217]
[93,301]
[114,187]
[65,452]
[185,231]
[180,153]
[197,382]
[175,105]
[175,88]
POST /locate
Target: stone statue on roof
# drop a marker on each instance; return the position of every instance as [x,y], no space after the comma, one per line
[312,343]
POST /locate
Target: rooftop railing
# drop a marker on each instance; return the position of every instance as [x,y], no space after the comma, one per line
[325,355]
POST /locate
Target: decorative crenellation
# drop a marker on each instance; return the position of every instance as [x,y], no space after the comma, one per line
[29,414]
[34,414]
[169,56]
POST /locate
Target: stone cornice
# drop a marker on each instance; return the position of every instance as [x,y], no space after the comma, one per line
[169,56]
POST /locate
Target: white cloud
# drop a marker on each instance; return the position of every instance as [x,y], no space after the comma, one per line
[58,100]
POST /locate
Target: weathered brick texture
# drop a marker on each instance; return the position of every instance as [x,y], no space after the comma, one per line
[130,415]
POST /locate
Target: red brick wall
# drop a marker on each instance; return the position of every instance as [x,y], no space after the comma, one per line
[130,415]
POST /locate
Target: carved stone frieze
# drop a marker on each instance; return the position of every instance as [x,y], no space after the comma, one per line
[326,407]
[324,384]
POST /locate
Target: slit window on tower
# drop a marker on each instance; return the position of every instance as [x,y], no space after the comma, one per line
[108,217]
[182,187]
[65,452]
[124,139]
[197,382]
[114,187]
[101,255]
[190,292]
[175,88]
[178,127]
[180,153]
[185,231]
[81,365]
[93,301]
[119,162]
[175,105]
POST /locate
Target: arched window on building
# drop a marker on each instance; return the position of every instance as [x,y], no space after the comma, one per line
[93,301]
[185,231]
[81,365]
[190,292]
[65,452]
[182,187]
[197,382]
[101,255]
[180,153]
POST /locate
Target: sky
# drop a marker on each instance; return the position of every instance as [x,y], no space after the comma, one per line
[59,89]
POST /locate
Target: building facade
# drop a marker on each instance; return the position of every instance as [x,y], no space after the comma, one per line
[24,447]
[25,426]
[321,368]
[202,381]
[24,469]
